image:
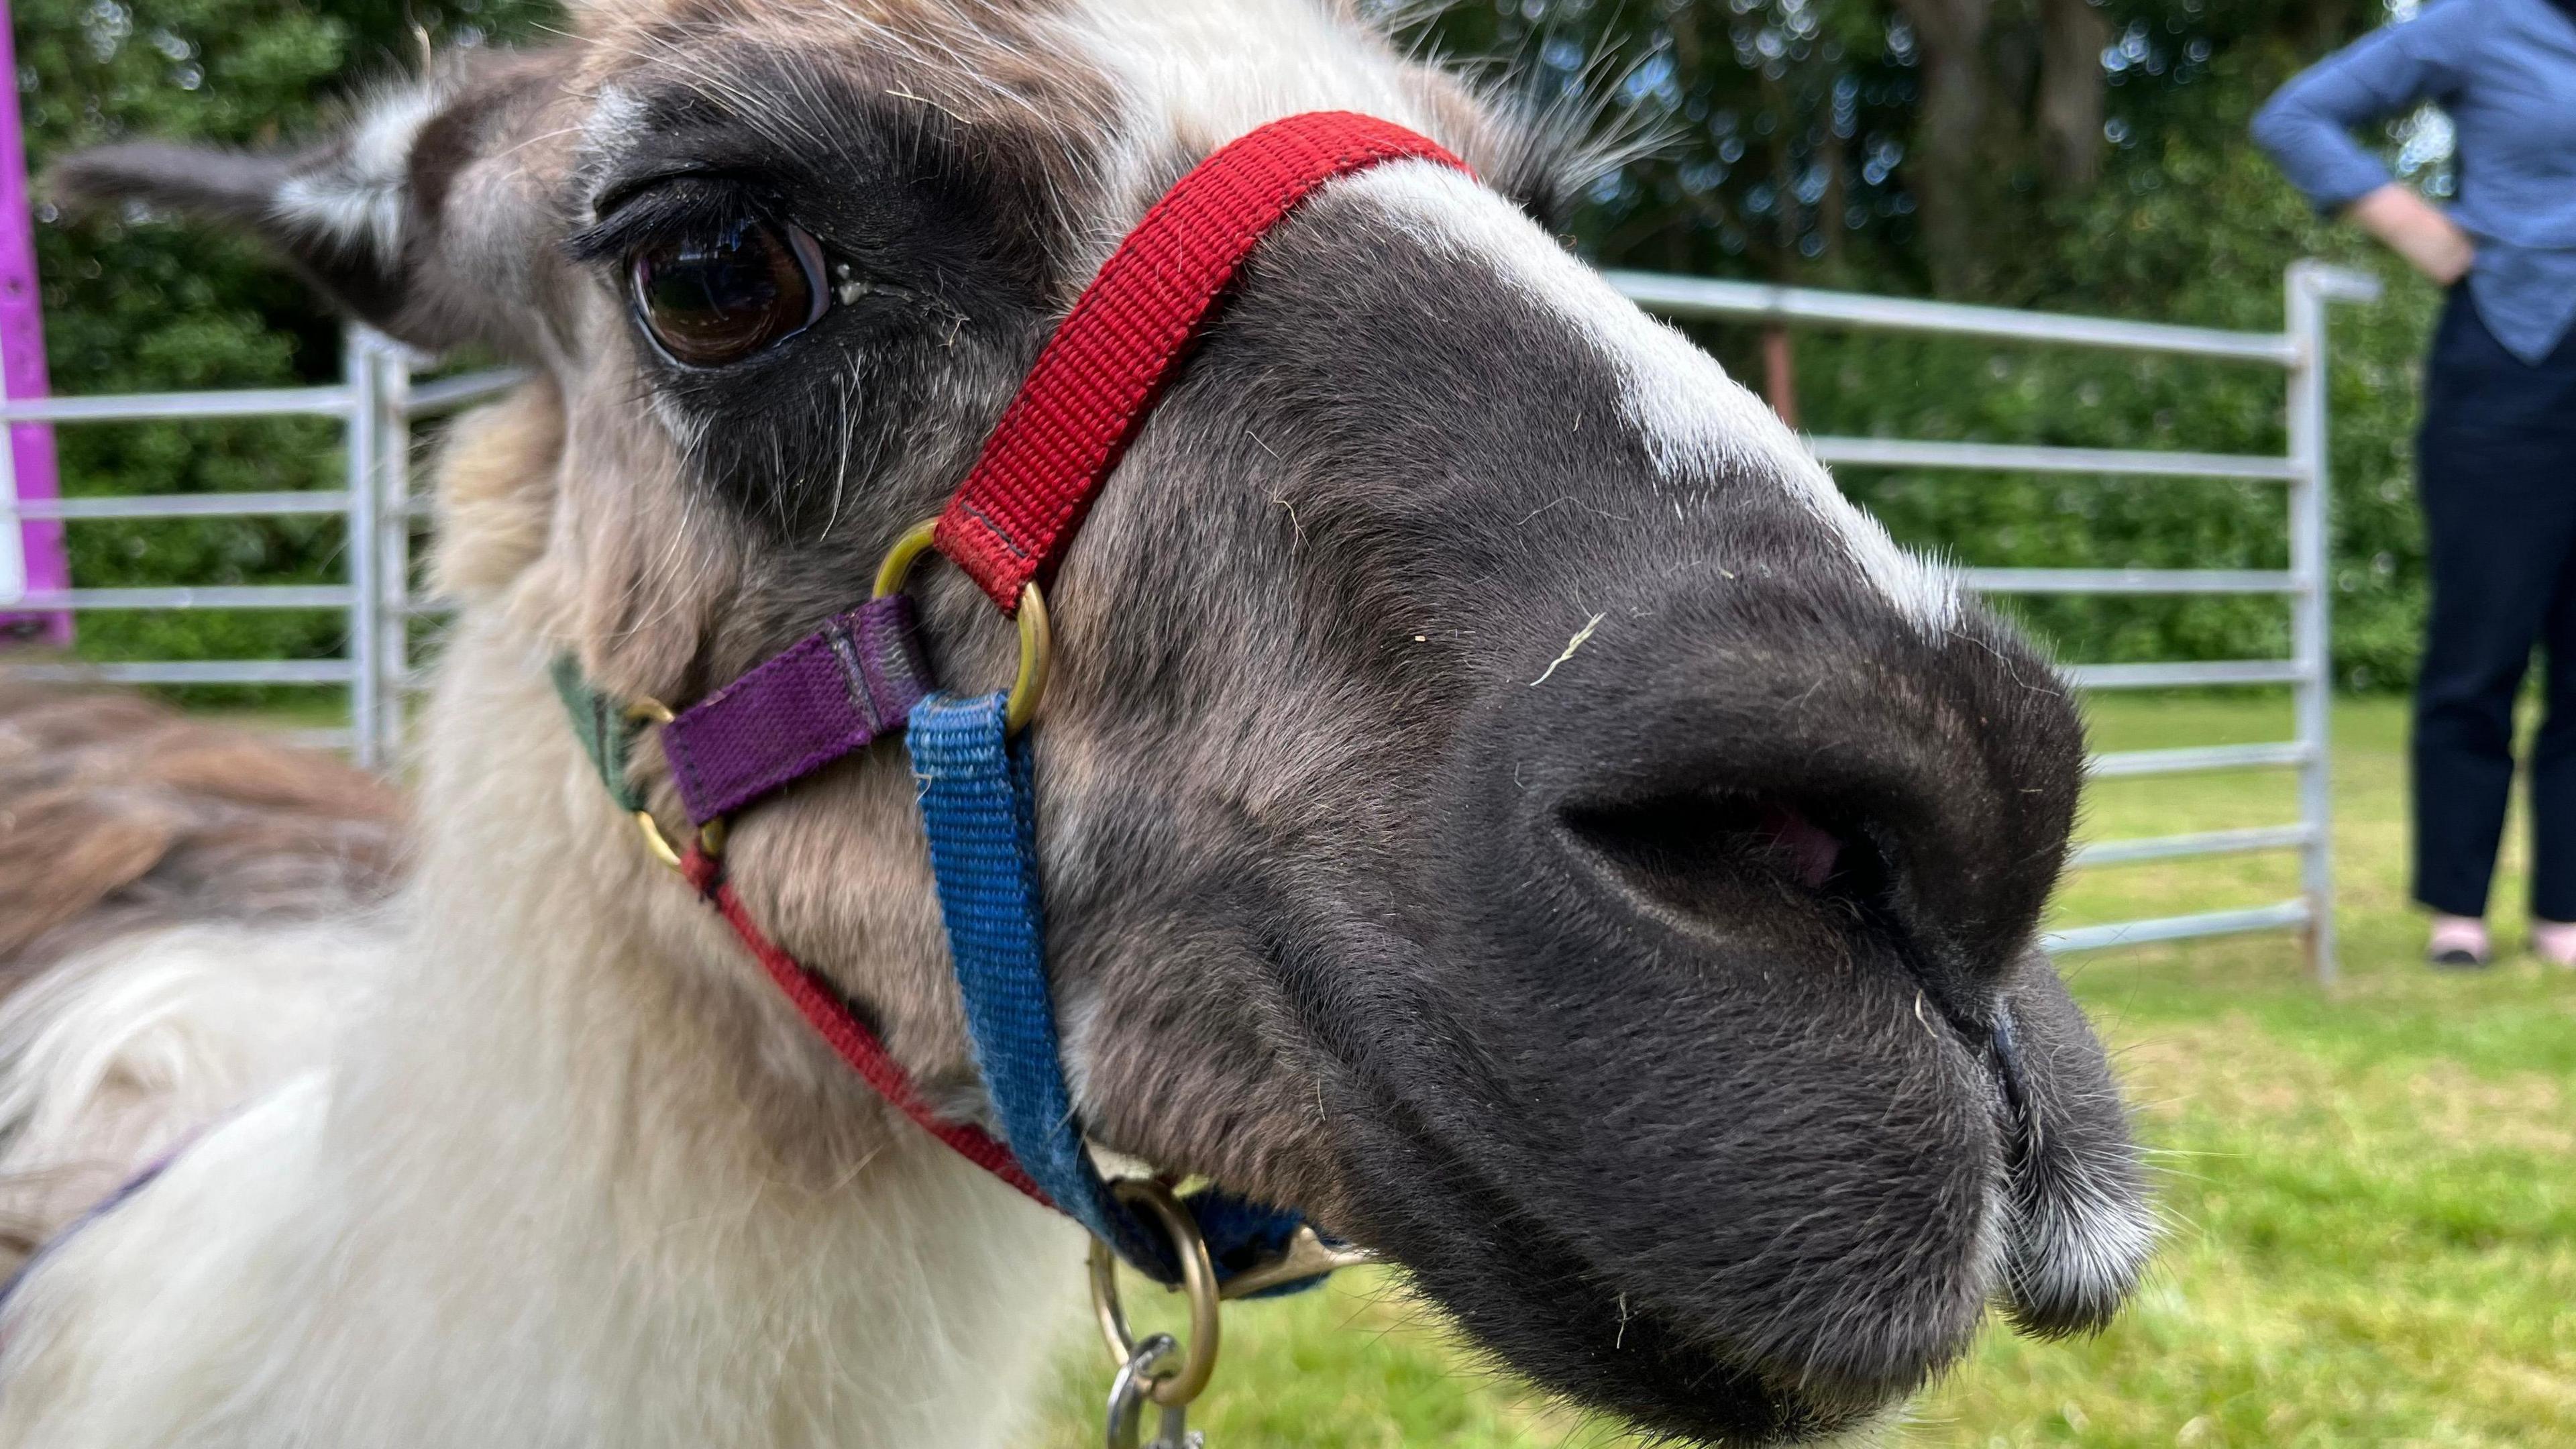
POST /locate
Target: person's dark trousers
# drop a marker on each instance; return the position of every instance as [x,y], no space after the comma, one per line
[2497,466]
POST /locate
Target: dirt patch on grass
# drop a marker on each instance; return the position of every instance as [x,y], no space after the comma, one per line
[2229,1066]
[2235,1069]
[2528,1112]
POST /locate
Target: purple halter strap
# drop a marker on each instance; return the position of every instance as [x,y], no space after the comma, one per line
[835,692]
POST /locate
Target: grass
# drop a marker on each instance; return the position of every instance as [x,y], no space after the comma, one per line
[2372,1203]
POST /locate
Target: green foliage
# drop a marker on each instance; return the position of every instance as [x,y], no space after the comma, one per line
[2191,224]
[135,303]
[1788,149]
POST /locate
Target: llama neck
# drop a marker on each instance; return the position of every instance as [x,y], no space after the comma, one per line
[726,1234]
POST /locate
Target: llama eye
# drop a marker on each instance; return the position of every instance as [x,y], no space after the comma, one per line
[719,296]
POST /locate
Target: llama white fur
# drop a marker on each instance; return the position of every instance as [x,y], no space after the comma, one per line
[493,1190]
[478,1185]
[1210,73]
[357,197]
[116,1054]
[1699,423]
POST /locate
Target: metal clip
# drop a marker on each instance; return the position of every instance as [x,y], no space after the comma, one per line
[1133,1389]
[1175,1386]
[1307,1256]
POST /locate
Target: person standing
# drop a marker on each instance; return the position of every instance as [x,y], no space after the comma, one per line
[2496,457]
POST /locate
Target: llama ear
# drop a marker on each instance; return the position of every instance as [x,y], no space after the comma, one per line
[361,213]
[340,211]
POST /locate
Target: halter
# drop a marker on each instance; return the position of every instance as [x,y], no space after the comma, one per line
[849,683]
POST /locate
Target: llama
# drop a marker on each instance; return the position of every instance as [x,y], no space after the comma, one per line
[1496,797]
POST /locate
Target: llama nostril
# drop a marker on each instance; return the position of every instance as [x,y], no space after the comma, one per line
[1710,856]
[1810,851]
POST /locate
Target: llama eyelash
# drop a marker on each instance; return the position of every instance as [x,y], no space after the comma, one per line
[639,215]
[646,212]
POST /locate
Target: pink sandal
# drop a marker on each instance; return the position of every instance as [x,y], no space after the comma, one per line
[2554,942]
[2459,943]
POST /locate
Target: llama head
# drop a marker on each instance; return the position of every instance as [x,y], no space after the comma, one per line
[1496,795]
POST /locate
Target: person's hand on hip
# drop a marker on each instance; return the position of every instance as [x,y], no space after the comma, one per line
[2417,230]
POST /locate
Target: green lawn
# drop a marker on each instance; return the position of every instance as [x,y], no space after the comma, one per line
[2372,1198]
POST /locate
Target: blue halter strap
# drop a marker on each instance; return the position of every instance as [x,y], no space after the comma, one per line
[978,806]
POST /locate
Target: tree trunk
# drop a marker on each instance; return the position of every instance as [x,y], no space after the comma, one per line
[2329,26]
[1949,132]
[1780,373]
[2072,34]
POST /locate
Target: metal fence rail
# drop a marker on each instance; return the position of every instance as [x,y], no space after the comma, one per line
[374,404]
[377,403]
[2300,350]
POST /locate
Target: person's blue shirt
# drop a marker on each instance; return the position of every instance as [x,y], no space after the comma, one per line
[2505,71]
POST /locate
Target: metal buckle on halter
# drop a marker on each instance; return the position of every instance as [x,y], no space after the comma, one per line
[1306,1258]
[1037,635]
[711,836]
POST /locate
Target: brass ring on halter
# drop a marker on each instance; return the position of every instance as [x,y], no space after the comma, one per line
[1037,636]
[711,836]
[711,839]
[1198,1280]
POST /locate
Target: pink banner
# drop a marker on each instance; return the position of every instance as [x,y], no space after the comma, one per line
[40,564]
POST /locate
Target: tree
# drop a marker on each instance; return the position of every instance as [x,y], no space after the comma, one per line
[2061,154]
[133,302]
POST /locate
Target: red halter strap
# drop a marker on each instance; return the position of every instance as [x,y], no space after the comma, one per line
[830,1016]
[1097,380]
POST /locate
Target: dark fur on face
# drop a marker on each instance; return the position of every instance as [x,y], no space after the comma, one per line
[1554,860]
[1544,953]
